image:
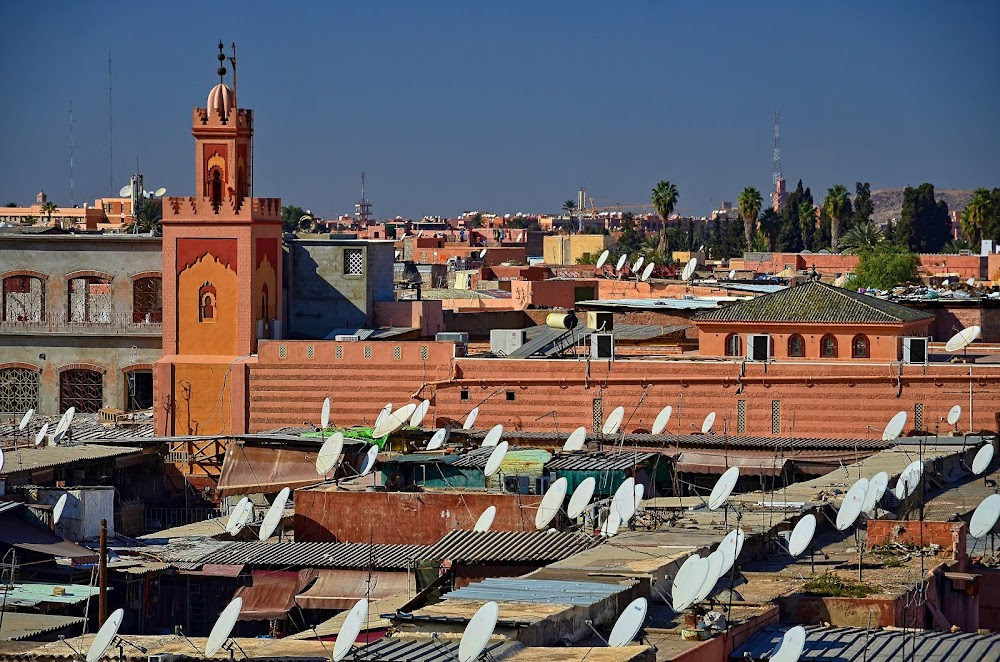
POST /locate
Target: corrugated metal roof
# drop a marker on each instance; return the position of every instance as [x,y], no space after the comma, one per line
[655,304]
[29,594]
[340,589]
[476,458]
[399,649]
[317,555]
[29,459]
[18,625]
[599,461]
[540,591]
[510,546]
[706,463]
[85,427]
[859,644]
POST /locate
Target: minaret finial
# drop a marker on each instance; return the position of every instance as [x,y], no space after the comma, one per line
[222,58]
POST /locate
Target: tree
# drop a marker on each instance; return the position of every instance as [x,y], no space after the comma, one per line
[569,207]
[476,221]
[976,215]
[821,240]
[863,236]
[148,218]
[953,246]
[770,225]
[290,215]
[885,267]
[807,223]
[30,220]
[12,204]
[629,241]
[924,226]
[992,229]
[863,207]
[664,199]
[749,203]
[49,208]
[836,206]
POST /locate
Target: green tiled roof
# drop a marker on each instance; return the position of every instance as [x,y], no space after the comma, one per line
[815,302]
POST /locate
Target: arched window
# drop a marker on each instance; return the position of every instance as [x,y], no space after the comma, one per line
[828,347]
[263,303]
[215,184]
[23,299]
[147,300]
[860,347]
[207,303]
[18,390]
[81,388]
[734,345]
[796,346]
[89,299]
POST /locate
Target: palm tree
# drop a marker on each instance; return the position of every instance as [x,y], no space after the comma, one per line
[48,208]
[835,205]
[770,225]
[749,203]
[975,215]
[664,199]
[861,237]
[569,207]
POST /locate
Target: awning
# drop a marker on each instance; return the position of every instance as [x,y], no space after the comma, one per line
[18,626]
[272,594]
[215,570]
[705,463]
[18,533]
[340,589]
[257,469]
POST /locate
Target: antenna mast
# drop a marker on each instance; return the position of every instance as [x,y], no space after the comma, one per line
[778,194]
[363,210]
[72,199]
[111,149]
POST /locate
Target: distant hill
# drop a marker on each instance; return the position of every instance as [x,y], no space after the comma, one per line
[888,202]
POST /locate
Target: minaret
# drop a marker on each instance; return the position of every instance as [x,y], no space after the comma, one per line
[221,277]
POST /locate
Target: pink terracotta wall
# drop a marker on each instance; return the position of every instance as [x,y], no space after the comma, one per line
[428,316]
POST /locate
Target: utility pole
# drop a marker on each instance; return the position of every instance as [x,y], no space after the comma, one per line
[102,605]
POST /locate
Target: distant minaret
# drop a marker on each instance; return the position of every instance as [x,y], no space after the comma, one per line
[778,193]
[363,209]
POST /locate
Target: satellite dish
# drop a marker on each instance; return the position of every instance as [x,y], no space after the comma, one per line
[41,434]
[982,460]
[623,501]
[24,420]
[125,191]
[576,440]
[688,580]
[894,427]
[628,624]
[706,426]
[350,630]
[395,420]
[954,414]
[102,642]
[909,479]
[478,632]
[1,458]
[582,495]
[223,627]
[790,647]
[470,420]
[420,413]
[329,454]
[59,508]
[731,546]
[324,419]
[689,269]
[660,424]
[732,274]
[647,272]
[382,415]
[640,491]
[236,514]
[242,517]
[621,262]
[723,488]
[160,192]
[369,462]
[496,457]
[66,420]
[551,503]
[802,535]
[715,562]
[985,517]
[876,489]
[971,281]
[604,258]
[485,520]
[614,421]
[851,507]
[437,441]
[946,282]
[611,525]
[493,436]
[274,515]
[963,338]
[145,193]
[57,438]
[638,264]
[482,254]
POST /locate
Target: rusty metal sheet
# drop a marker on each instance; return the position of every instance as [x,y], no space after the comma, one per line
[256,469]
[340,589]
[272,594]
[705,463]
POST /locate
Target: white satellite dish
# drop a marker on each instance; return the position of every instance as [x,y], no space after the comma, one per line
[1,458]
[57,438]
[963,338]
[971,281]
[954,414]
[125,191]
[614,421]
[329,453]
[41,434]
[105,636]
[894,427]
[493,436]
[350,630]
[628,624]
[398,254]
[946,282]
[604,258]
[611,525]
[715,563]
[242,517]
[24,420]
[802,535]
[324,417]
[223,627]
[640,491]
[706,426]
[420,413]
[66,420]
[478,632]
[470,420]
[551,503]
[731,546]
[790,647]
[723,488]
[621,262]
[876,489]
[687,582]
[395,420]
[160,192]
[582,495]
[382,415]
[623,502]
[732,274]
[485,520]
[660,424]
[369,462]
[60,506]
[638,264]
[576,440]
[909,479]
[236,514]
[495,459]
[982,460]
[437,441]
[274,515]
[851,507]
[647,272]
[689,269]
[985,517]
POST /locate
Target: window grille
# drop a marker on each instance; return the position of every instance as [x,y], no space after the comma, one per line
[353,262]
[368,351]
[397,353]
[598,414]
[147,300]
[18,390]
[741,416]
[82,389]
[340,351]
[775,416]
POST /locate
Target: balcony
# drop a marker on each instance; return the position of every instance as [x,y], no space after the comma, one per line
[100,324]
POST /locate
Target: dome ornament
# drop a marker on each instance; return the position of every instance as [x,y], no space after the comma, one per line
[221,71]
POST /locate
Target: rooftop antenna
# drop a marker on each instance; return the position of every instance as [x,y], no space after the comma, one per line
[363,210]
[72,197]
[111,133]
[848,514]
[219,637]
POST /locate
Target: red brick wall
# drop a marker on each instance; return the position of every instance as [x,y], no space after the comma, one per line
[950,536]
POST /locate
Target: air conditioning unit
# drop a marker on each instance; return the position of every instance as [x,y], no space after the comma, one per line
[517,484]
[602,346]
[452,336]
[600,320]
[505,341]
[759,348]
[276,329]
[915,350]
[347,338]
[162,657]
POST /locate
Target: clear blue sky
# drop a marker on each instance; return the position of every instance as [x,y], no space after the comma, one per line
[508,106]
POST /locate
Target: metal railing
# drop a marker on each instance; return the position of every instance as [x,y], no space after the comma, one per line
[98,322]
